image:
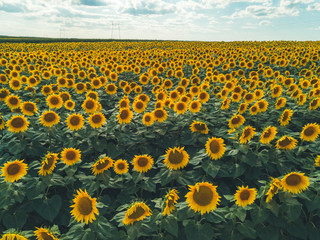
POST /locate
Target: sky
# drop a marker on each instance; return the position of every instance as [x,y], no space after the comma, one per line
[191,20]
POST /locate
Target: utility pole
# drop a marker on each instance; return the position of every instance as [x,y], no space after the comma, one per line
[112,31]
[119,29]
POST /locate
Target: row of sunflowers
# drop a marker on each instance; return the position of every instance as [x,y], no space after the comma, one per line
[218,123]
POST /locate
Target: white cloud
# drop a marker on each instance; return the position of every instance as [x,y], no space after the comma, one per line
[314,7]
[225,3]
[264,23]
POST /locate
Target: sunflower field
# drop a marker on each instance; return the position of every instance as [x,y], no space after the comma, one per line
[160,140]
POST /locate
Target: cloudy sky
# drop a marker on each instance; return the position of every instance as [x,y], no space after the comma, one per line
[204,20]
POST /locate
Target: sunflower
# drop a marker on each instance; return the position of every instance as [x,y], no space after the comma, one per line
[268,135]
[273,189]
[139,106]
[276,91]
[69,105]
[203,197]
[13,171]
[203,97]
[49,118]
[97,120]
[84,207]
[2,123]
[243,107]
[194,106]
[262,105]
[70,156]
[142,163]
[54,101]
[171,199]
[75,122]
[160,115]
[249,98]
[90,105]
[310,132]
[13,101]
[125,115]
[121,166]
[4,93]
[147,119]
[199,127]
[137,212]
[176,158]
[215,148]
[225,104]
[295,182]
[13,236]
[101,165]
[247,134]
[15,84]
[285,117]
[281,102]
[44,234]
[236,121]
[317,161]
[314,104]
[28,108]
[124,103]
[254,109]
[245,196]
[111,88]
[180,107]
[48,164]
[286,142]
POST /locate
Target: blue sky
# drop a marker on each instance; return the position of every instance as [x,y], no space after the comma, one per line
[203,20]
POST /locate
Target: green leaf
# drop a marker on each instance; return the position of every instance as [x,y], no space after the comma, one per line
[241,213]
[170,224]
[148,184]
[48,208]
[211,168]
[247,230]
[258,215]
[15,219]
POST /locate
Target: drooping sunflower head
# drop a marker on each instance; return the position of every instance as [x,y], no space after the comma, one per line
[203,197]
[273,189]
[125,115]
[49,118]
[17,123]
[247,134]
[285,117]
[13,171]
[121,166]
[148,119]
[236,121]
[13,236]
[84,207]
[48,164]
[310,132]
[215,148]
[171,199]
[101,165]
[142,163]
[70,156]
[295,182]
[286,142]
[137,212]
[44,234]
[176,158]
[245,196]
[201,127]
[268,135]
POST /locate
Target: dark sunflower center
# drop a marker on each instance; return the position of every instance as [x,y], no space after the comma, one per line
[120,166]
[267,133]
[175,157]
[71,155]
[16,83]
[17,122]
[202,96]
[139,105]
[293,180]
[254,109]
[309,131]
[174,95]
[203,196]
[69,104]
[29,107]
[75,120]
[200,126]
[285,116]
[159,113]
[48,165]
[123,104]
[13,101]
[96,119]
[13,169]
[180,106]
[142,162]
[235,120]
[285,142]
[138,213]
[214,146]
[261,105]
[3,94]
[194,105]
[85,206]
[92,95]
[244,195]
[96,82]
[248,97]
[46,236]
[314,103]
[80,86]
[147,118]
[54,101]
[65,97]
[111,88]
[46,89]
[171,202]
[124,114]
[247,133]
[102,165]
[89,104]
[49,117]
[143,98]
[276,90]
